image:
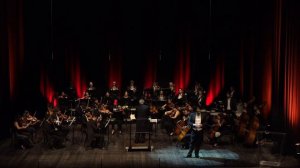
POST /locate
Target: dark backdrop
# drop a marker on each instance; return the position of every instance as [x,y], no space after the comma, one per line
[47,46]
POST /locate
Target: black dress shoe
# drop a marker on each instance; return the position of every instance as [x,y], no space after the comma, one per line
[197,156]
[188,155]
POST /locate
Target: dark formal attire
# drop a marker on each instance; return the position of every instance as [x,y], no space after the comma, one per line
[196,132]
[201,102]
[142,122]
[95,134]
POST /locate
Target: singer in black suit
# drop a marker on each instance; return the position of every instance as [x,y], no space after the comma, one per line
[197,121]
[142,122]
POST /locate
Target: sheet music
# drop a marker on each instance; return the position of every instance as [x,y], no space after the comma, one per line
[132,117]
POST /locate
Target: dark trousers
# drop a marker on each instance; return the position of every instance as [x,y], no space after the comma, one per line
[118,120]
[196,141]
[142,127]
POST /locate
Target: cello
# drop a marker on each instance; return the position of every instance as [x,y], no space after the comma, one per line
[218,122]
[254,125]
[183,130]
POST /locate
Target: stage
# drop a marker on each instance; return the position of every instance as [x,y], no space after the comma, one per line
[165,153]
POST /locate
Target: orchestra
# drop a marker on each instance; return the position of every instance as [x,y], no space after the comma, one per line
[243,119]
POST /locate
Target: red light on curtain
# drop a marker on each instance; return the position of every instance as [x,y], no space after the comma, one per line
[216,83]
[114,75]
[115,70]
[182,72]
[267,82]
[242,69]
[76,77]
[291,87]
[150,73]
[15,41]
[291,55]
[46,89]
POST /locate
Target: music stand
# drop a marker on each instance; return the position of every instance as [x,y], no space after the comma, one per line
[131,147]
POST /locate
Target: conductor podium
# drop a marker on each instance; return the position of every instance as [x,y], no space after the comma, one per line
[139,134]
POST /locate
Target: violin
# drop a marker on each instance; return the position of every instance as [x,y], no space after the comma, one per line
[29,119]
[153,109]
[88,116]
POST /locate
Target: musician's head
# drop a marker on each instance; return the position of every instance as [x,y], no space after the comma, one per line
[26,112]
[196,109]
[141,101]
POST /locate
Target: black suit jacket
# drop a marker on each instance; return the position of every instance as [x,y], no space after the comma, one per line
[142,115]
[204,119]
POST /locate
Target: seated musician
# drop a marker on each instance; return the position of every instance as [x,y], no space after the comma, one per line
[161,96]
[52,131]
[91,90]
[104,110]
[171,90]
[125,103]
[182,124]
[63,101]
[62,122]
[95,137]
[21,134]
[107,99]
[180,98]
[155,90]
[132,90]
[170,118]
[154,113]
[114,90]
[216,130]
[118,114]
[84,101]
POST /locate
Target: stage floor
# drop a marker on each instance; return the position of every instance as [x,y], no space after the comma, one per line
[165,153]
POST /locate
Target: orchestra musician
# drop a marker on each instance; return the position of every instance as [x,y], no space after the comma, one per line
[132,90]
[216,129]
[52,131]
[171,90]
[201,100]
[169,118]
[21,133]
[161,96]
[63,101]
[118,114]
[84,101]
[182,125]
[95,136]
[180,98]
[107,99]
[114,90]
[33,124]
[91,90]
[125,103]
[155,90]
